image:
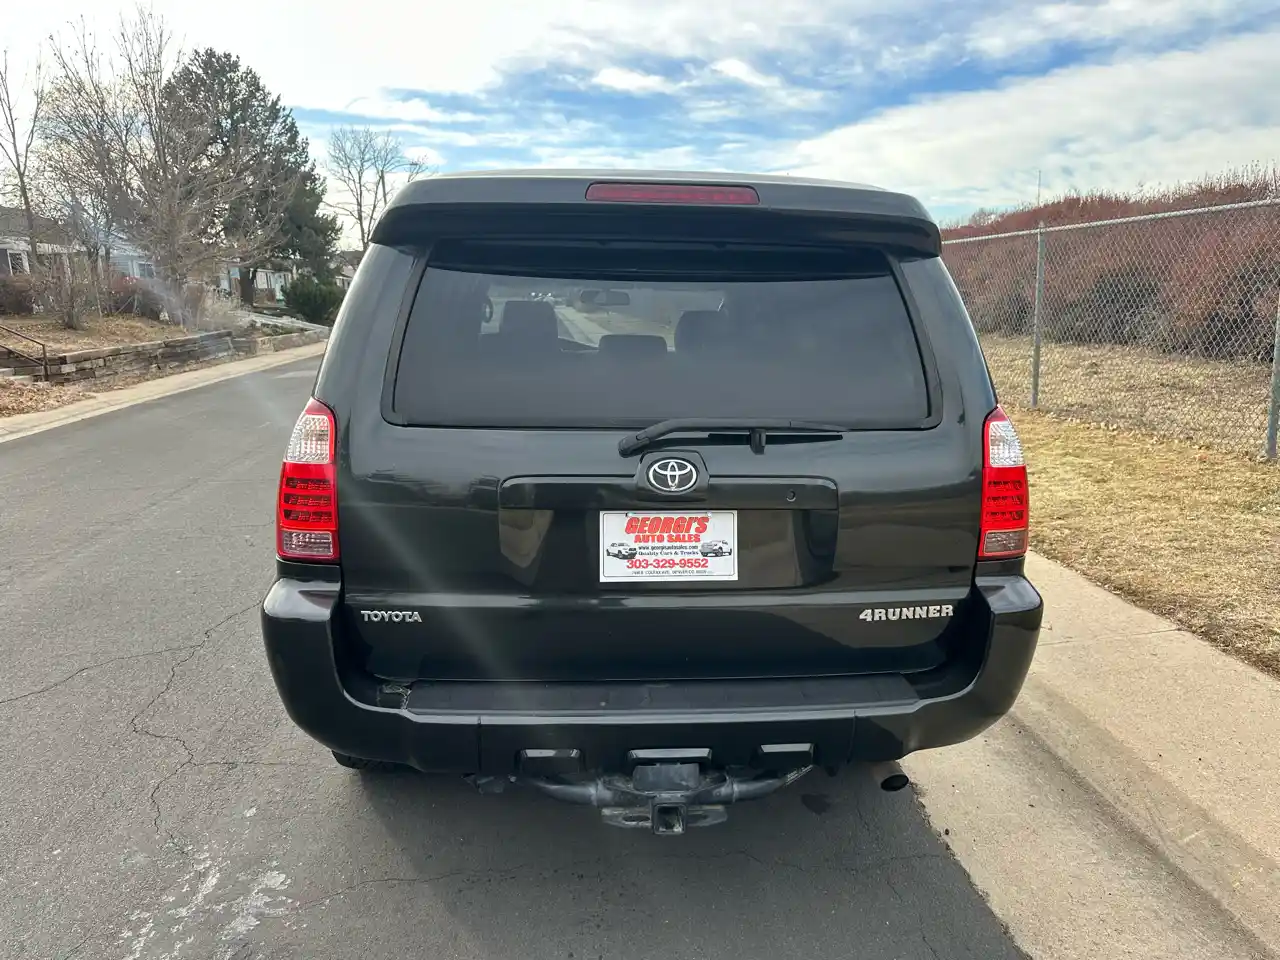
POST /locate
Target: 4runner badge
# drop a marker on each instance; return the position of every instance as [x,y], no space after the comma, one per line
[907,613]
[395,616]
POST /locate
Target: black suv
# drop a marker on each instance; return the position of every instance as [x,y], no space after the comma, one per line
[782,367]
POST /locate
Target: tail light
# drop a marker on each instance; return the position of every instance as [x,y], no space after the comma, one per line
[1005,502]
[307,503]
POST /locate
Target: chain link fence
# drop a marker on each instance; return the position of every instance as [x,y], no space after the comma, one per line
[1167,323]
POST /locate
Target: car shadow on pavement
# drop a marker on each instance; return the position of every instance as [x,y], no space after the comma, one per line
[831,867]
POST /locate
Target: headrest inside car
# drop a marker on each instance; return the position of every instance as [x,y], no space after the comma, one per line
[529,320]
[632,345]
[701,328]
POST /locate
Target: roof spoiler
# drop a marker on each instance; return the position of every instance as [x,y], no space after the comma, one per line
[629,206]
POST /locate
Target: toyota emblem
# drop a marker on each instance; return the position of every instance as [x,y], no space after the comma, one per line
[673,476]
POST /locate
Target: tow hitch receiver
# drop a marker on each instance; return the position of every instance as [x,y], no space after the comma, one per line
[668,819]
[666,798]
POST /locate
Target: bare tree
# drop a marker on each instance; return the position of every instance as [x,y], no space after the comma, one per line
[173,186]
[18,134]
[22,150]
[367,166]
[82,179]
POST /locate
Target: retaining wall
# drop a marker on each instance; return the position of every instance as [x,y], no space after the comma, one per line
[158,356]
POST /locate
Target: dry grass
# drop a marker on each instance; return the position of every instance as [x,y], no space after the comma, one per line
[123,329]
[112,331]
[1187,533]
[1145,479]
[18,398]
[1207,402]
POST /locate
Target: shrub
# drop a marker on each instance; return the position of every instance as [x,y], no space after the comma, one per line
[997,281]
[313,300]
[1204,285]
[1102,302]
[17,296]
[144,298]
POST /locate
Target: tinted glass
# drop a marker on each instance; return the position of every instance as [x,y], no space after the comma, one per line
[536,336]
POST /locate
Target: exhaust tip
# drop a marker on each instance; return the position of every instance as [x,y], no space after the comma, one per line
[889,776]
[894,782]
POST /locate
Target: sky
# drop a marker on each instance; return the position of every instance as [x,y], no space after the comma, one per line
[966,104]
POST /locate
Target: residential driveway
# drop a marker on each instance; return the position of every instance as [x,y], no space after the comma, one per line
[158,803]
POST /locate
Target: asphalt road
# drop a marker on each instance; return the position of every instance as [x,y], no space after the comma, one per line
[157,802]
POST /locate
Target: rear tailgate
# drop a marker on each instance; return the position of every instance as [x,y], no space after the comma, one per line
[492,529]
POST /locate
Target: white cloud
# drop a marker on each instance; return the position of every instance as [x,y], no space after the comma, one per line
[631,81]
[1142,116]
[773,91]
[735,69]
[714,110]
[731,155]
[321,53]
[409,110]
[432,158]
[665,158]
[1096,21]
[1163,117]
[702,92]
[444,136]
[318,134]
[769,91]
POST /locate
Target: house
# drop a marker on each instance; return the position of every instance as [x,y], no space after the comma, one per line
[344,266]
[126,259]
[265,281]
[130,261]
[15,242]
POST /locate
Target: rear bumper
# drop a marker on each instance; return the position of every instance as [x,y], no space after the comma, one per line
[540,728]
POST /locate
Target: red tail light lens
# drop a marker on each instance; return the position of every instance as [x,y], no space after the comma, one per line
[672,193]
[1005,501]
[307,504]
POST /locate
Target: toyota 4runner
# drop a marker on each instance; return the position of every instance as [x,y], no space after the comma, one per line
[783,369]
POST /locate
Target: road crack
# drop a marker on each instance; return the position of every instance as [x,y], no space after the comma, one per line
[136,724]
[74,950]
[897,894]
[95,666]
[230,765]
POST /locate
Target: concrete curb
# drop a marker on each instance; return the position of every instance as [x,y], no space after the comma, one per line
[26,424]
[1175,744]
[1191,840]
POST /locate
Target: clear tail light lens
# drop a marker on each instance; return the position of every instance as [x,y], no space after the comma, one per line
[307,502]
[1004,528]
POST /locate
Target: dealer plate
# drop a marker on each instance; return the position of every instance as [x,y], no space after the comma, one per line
[663,546]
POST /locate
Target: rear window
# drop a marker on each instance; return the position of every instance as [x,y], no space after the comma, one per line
[604,334]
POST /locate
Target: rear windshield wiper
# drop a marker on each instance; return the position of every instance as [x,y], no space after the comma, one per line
[757,427]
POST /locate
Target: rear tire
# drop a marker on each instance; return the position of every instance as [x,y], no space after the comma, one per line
[367,766]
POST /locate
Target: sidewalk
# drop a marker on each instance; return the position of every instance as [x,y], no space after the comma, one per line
[24,424]
[1178,746]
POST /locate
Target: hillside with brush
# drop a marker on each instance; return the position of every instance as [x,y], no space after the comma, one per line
[1204,284]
